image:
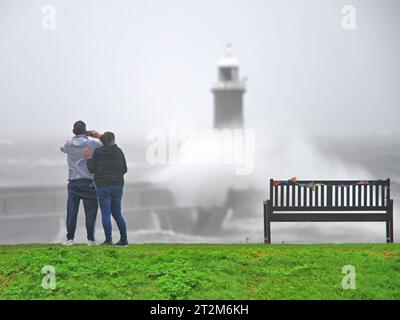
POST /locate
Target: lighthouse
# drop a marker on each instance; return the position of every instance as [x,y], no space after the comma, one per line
[228,93]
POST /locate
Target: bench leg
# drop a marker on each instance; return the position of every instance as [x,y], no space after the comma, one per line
[388,231]
[391,238]
[389,225]
[267,226]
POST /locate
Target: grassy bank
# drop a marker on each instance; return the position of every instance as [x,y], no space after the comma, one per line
[200,272]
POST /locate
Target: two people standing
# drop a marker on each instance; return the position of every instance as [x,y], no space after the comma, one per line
[96,176]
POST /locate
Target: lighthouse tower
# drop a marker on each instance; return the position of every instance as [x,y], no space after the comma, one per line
[228,93]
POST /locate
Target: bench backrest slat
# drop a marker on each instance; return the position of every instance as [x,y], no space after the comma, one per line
[287,196]
[371,196]
[330,196]
[382,197]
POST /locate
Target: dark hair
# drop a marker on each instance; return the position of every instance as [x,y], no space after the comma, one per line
[107,138]
[79,128]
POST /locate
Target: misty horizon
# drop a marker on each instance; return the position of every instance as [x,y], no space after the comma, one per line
[147,65]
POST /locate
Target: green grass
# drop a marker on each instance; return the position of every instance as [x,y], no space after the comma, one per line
[158,271]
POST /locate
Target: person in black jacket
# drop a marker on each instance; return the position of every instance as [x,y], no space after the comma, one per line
[108,165]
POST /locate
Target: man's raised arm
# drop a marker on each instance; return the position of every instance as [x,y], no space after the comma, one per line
[90,160]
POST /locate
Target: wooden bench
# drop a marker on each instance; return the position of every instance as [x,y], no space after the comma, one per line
[328,201]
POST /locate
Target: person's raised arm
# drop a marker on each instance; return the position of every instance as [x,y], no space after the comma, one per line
[90,160]
[96,141]
[95,134]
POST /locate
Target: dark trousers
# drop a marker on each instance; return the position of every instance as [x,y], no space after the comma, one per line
[110,198]
[82,189]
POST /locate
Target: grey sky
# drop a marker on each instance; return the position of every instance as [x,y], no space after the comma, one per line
[132,65]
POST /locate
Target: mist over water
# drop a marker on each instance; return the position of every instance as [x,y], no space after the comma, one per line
[207,186]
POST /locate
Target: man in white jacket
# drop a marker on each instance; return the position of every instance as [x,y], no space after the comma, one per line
[80,181]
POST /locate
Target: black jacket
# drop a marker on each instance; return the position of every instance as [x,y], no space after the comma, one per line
[108,165]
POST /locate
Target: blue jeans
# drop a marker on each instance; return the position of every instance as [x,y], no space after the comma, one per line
[82,189]
[110,198]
